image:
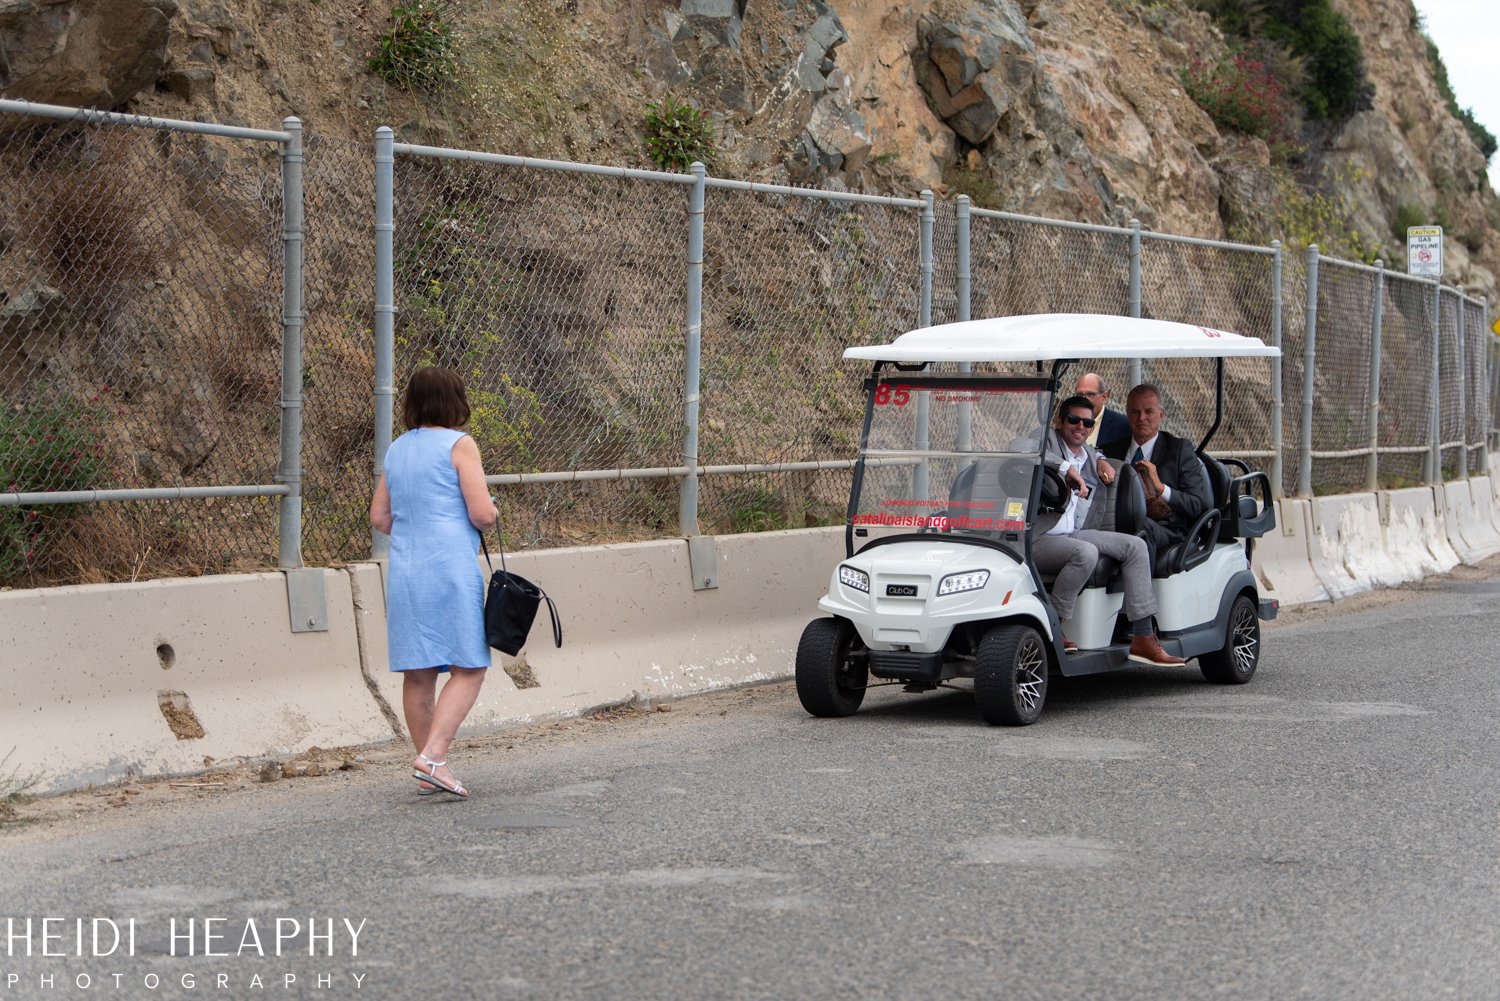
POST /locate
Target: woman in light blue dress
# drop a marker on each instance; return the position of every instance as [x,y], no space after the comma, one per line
[433,503]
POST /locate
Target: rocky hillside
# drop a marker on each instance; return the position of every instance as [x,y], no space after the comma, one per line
[1068,108]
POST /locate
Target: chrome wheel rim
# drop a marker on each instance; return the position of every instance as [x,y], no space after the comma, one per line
[1244,641]
[1031,674]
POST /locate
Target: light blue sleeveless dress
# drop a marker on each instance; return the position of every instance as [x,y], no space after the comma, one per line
[435,595]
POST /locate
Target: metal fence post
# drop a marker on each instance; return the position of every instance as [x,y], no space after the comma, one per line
[1133,304]
[1463,393]
[1377,314]
[1309,361]
[1434,458]
[1277,445]
[385,311]
[687,512]
[924,319]
[965,434]
[289,546]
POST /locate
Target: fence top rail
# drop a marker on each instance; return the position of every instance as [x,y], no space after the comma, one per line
[833,196]
[90,116]
[1088,227]
[1198,241]
[501,159]
[1403,276]
[1340,262]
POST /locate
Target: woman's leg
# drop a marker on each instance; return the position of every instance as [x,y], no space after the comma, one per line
[418,693]
[453,705]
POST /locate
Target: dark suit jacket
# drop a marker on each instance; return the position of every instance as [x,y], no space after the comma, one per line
[1112,427]
[1180,468]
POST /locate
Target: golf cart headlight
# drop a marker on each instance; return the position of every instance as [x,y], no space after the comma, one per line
[956,583]
[857,579]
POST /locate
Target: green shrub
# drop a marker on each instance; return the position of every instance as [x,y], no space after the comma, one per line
[417,51]
[677,133]
[1407,216]
[54,445]
[1333,83]
[1483,138]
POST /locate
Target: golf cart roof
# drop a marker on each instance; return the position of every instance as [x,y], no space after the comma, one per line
[1053,336]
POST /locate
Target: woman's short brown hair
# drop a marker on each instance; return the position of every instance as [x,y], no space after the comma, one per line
[435,397]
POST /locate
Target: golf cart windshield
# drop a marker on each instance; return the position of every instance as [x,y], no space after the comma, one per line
[949,453]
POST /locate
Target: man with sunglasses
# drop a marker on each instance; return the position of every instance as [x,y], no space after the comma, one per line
[1068,543]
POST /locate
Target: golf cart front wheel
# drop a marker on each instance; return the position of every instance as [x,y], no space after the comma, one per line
[830,681]
[1235,664]
[1010,675]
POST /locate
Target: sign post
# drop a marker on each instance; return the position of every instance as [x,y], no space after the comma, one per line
[1424,251]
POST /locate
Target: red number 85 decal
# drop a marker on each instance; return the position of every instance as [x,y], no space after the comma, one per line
[884,395]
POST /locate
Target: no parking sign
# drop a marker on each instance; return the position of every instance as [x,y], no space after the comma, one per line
[1424,251]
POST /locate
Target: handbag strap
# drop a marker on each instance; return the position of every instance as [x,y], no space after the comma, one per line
[556,622]
[551,605]
[501,536]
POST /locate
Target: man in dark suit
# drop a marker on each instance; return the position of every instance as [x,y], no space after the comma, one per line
[1112,425]
[1176,484]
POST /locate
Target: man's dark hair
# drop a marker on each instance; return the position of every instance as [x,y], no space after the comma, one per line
[435,398]
[1074,401]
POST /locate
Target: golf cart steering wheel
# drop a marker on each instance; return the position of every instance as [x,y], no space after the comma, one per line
[1055,490]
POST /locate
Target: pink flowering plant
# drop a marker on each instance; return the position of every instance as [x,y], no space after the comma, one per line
[1241,94]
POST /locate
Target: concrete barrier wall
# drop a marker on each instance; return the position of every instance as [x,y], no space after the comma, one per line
[633,624]
[103,682]
[1282,560]
[1349,550]
[1416,532]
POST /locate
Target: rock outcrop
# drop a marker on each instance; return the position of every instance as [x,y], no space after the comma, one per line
[86,53]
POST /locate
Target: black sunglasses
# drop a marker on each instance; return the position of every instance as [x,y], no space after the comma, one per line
[1087,422]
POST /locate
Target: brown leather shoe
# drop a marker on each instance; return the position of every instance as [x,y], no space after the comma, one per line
[1068,645]
[1148,650]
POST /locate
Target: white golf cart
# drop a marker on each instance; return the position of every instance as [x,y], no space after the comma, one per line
[938,580]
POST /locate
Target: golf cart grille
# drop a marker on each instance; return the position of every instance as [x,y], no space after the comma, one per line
[902,665]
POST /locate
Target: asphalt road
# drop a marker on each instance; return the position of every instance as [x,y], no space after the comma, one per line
[1328,831]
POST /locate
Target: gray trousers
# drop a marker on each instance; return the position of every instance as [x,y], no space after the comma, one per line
[1072,558]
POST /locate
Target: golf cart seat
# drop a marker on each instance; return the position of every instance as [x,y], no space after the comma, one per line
[983,487]
[1243,501]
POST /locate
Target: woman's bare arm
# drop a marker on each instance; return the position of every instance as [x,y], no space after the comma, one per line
[482,512]
[380,507]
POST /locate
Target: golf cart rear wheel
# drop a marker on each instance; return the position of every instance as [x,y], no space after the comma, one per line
[1010,675]
[1235,664]
[829,680]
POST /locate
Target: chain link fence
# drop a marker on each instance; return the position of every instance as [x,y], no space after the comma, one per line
[140,348]
[790,281]
[153,348]
[1223,286]
[1405,380]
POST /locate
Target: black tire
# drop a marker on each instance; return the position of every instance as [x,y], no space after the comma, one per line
[1010,675]
[1235,664]
[830,682]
